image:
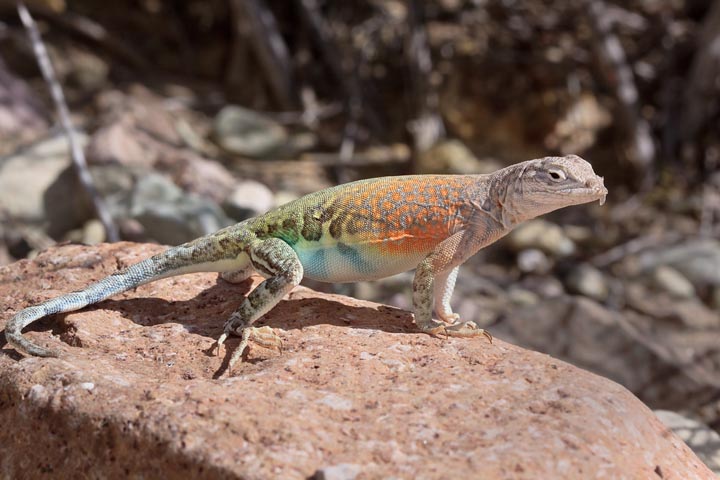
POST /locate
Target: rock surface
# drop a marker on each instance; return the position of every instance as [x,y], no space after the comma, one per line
[355,390]
[704,441]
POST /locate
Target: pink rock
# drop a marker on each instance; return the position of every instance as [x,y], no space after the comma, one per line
[356,389]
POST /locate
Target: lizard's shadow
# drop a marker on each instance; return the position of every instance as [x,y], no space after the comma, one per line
[206,313]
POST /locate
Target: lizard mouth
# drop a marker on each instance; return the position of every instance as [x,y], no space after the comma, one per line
[591,192]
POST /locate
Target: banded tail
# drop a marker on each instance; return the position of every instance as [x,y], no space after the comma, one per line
[174,261]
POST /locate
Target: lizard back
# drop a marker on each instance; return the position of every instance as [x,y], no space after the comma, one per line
[369,229]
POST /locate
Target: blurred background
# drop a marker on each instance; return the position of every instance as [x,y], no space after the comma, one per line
[196,114]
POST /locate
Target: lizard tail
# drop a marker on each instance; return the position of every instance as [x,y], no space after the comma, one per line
[175,261]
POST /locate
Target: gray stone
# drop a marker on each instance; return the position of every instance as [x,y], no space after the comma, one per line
[523,297]
[93,232]
[248,199]
[248,133]
[660,306]
[453,156]
[673,282]
[542,235]
[171,216]
[701,439]
[698,260]
[589,281]
[34,189]
[533,260]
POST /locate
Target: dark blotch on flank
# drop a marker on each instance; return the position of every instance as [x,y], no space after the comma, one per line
[336,228]
[312,227]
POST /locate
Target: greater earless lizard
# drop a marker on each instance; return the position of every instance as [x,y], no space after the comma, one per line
[363,230]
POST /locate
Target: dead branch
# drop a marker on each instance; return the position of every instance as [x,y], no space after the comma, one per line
[253,17]
[427,127]
[633,247]
[618,74]
[701,91]
[76,152]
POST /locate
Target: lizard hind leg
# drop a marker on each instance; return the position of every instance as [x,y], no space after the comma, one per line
[276,260]
[237,276]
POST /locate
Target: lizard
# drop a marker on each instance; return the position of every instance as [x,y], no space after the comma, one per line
[363,230]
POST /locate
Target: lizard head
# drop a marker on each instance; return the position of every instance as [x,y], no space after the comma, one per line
[568,180]
[546,184]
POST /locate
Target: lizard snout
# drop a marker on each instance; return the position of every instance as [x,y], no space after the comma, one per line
[598,186]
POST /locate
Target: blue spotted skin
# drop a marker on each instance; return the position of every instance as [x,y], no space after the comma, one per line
[359,231]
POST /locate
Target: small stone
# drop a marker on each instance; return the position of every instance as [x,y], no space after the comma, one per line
[341,471]
[698,261]
[34,189]
[589,281]
[542,235]
[248,133]
[522,297]
[673,282]
[248,199]
[453,156]
[171,216]
[533,260]
[93,232]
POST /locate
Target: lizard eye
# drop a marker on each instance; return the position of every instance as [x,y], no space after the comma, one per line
[557,174]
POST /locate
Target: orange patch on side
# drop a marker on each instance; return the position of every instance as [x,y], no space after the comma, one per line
[417,239]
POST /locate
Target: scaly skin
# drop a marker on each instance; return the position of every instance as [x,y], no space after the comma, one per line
[363,230]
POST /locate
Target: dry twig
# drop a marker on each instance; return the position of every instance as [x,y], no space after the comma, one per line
[76,152]
[619,75]
[269,47]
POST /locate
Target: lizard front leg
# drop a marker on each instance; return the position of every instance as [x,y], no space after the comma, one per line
[276,260]
[441,265]
[443,287]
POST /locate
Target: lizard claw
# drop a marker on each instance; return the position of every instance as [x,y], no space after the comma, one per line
[220,342]
[263,336]
[459,329]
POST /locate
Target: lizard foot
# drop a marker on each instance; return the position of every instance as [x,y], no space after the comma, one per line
[458,329]
[263,336]
[449,317]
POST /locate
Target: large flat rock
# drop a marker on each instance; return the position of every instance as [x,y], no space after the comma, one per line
[356,389]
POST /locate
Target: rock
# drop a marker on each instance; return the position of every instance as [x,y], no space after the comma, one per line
[547,286]
[453,156]
[703,440]
[249,199]
[698,260]
[589,281]
[533,260]
[22,114]
[31,189]
[206,178]
[577,129]
[355,383]
[664,363]
[93,232]
[673,282]
[171,216]
[688,312]
[522,297]
[120,143]
[543,235]
[248,133]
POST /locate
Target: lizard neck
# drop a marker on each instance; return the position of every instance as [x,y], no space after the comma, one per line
[504,198]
